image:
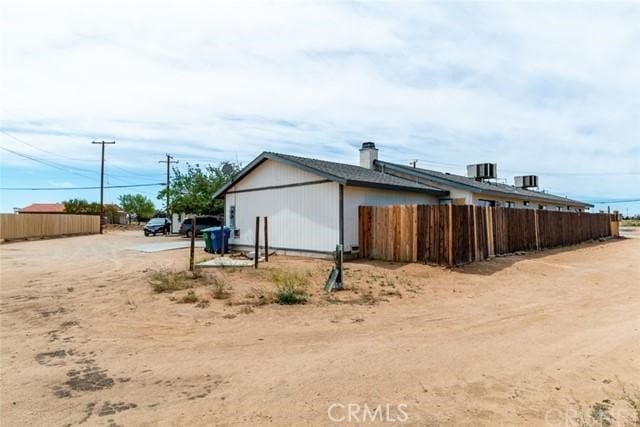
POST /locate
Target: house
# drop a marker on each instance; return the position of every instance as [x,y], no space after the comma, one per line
[115,215]
[43,208]
[312,205]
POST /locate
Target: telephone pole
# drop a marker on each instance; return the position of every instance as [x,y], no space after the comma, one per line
[102,180]
[413,163]
[168,162]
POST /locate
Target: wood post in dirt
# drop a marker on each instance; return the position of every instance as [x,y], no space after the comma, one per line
[450,235]
[266,240]
[257,244]
[221,241]
[537,228]
[193,244]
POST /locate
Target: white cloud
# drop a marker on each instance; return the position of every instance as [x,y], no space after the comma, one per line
[533,86]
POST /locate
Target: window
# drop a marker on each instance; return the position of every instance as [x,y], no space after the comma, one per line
[446,201]
[509,204]
[486,203]
[526,203]
[540,206]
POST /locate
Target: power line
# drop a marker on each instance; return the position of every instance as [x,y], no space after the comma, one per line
[168,162]
[617,201]
[22,141]
[50,163]
[131,172]
[79,188]
[460,165]
[102,143]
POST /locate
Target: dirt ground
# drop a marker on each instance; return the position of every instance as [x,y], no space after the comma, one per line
[543,339]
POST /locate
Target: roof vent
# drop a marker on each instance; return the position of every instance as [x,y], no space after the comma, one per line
[482,171]
[526,181]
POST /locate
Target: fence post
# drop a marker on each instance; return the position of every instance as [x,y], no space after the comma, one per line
[266,240]
[537,228]
[257,245]
[193,244]
[450,237]
[475,233]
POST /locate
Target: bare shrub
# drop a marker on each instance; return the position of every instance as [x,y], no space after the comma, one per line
[189,298]
[291,287]
[221,289]
[169,281]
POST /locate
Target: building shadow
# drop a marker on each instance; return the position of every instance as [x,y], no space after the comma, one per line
[490,266]
[497,264]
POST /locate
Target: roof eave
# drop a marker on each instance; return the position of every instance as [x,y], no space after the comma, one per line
[270,156]
[394,187]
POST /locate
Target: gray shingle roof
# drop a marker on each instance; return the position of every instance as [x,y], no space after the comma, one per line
[339,172]
[471,184]
[355,175]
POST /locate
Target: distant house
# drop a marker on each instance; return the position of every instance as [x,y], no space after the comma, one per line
[115,215]
[312,205]
[43,208]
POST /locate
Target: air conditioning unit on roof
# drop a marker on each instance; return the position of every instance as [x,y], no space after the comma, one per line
[482,171]
[526,181]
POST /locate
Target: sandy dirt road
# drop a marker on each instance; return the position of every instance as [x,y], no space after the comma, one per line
[528,340]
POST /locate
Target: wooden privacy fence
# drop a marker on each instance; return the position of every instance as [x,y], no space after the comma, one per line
[22,226]
[454,235]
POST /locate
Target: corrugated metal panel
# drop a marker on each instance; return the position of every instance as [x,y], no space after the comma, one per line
[303,218]
[358,196]
[274,173]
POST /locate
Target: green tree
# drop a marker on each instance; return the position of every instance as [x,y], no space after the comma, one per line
[81,206]
[192,190]
[137,204]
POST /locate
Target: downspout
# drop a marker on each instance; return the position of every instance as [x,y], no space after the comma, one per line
[341,215]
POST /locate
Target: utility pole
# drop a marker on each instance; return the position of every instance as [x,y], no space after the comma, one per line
[168,162]
[413,163]
[102,180]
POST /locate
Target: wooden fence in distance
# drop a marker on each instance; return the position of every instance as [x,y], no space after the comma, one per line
[24,226]
[455,235]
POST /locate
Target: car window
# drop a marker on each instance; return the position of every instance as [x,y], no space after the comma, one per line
[156,221]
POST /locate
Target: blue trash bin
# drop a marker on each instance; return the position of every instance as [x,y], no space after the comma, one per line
[220,237]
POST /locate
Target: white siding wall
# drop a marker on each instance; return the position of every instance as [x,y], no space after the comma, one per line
[270,173]
[360,196]
[303,217]
[455,193]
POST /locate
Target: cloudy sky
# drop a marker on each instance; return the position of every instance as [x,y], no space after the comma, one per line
[540,88]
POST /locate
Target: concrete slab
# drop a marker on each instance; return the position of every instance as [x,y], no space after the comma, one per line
[165,246]
[227,262]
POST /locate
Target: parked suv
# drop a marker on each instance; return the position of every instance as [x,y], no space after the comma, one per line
[202,222]
[157,225]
